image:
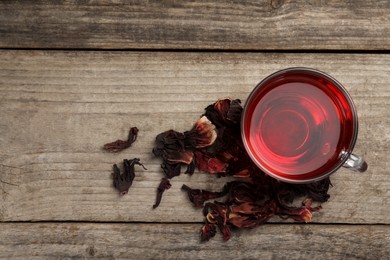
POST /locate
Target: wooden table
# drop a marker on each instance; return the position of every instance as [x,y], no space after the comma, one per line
[76,76]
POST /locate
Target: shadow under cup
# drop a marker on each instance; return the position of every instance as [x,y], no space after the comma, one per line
[299,125]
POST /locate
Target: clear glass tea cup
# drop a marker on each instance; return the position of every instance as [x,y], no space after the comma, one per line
[299,125]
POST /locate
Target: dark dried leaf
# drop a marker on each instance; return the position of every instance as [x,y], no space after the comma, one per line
[171,170]
[303,213]
[198,197]
[208,231]
[120,145]
[225,230]
[190,168]
[202,134]
[122,182]
[209,164]
[318,191]
[171,147]
[224,112]
[234,112]
[164,185]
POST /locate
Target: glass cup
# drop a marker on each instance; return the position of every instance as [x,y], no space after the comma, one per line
[299,125]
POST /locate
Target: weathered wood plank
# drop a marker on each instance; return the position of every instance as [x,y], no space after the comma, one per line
[249,25]
[57,109]
[181,241]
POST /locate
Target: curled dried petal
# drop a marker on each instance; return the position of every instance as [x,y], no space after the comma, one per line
[171,170]
[122,182]
[241,192]
[242,221]
[170,146]
[219,210]
[225,230]
[222,107]
[209,164]
[185,157]
[244,208]
[235,111]
[164,185]
[190,168]
[224,112]
[120,145]
[318,191]
[208,231]
[203,133]
[211,218]
[303,213]
[198,197]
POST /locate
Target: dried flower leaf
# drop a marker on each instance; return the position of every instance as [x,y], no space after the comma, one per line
[234,112]
[225,230]
[122,182]
[190,168]
[208,231]
[185,157]
[171,170]
[303,213]
[164,185]
[224,112]
[209,164]
[120,145]
[198,197]
[203,133]
[171,146]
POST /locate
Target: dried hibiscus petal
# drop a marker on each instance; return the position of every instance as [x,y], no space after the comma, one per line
[303,213]
[208,231]
[164,185]
[225,230]
[171,146]
[209,164]
[198,197]
[190,168]
[318,191]
[224,112]
[120,145]
[234,112]
[171,170]
[122,182]
[203,133]
[243,221]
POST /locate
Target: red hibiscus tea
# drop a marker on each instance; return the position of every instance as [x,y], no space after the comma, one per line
[299,125]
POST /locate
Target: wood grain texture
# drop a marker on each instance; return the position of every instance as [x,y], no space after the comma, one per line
[181,241]
[170,24]
[57,109]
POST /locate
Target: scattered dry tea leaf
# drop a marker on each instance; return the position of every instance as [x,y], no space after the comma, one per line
[205,162]
[224,112]
[122,182]
[164,185]
[198,197]
[173,148]
[120,145]
[202,134]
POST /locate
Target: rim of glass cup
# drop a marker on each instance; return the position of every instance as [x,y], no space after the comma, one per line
[345,154]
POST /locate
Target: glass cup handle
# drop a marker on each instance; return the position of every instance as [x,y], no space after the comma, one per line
[356,163]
